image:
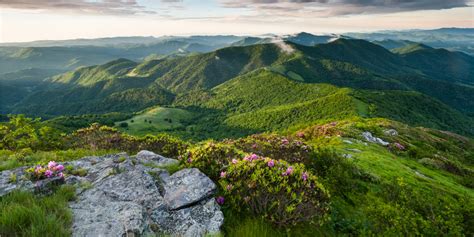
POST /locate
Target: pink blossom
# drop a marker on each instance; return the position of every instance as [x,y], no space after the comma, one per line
[288,171]
[300,134]
[271,163]
[48,173]
[59,168]
[399,146]
[223,174]
[285,141]
[220,200]
[52,164]
[304,176]
[254,157]
[61,175]
[234,161]
[38,169]
[247,158]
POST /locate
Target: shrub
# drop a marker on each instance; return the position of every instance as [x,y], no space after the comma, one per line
[21,132]
[98,137]
[211,158]
[337,173]
[51,170]
[277,147]
[284,194]
[123,124]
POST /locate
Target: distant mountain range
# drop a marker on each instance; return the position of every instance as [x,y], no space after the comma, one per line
[254,83]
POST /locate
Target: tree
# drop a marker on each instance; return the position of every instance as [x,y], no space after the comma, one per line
[124,125]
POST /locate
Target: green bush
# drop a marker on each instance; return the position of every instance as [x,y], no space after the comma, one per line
[338,174]
[284,194]
[275,146]
[98,137]
[21,132]
[211,158]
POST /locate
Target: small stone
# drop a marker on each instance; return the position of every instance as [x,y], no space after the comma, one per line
[391,132]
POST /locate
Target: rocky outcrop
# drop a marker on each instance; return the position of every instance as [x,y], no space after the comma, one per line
[135,196]
[14,179]
[187,187]
[371,138]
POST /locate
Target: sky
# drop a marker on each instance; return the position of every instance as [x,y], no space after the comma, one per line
[29,20]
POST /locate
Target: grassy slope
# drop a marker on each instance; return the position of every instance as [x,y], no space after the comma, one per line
[157,116]
[361,208]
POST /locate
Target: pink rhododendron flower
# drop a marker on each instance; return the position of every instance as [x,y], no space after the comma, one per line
[304,176]
[52,164]
[254,157]
[223,174]
[234,161]
[300,134]
[399,146]
[48,173]
[247,158]
[220,200]
[271,163]
[59,168]
[288,171]
[285,141]
[61,175]
[38,169]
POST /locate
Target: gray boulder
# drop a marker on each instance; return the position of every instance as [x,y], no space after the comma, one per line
[186,187]
[391,132]
[119,196]
[128,199]
[149,157]
[370,138]
[14,179]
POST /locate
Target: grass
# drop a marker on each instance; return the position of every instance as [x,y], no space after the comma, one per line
[24,214]
[155,120]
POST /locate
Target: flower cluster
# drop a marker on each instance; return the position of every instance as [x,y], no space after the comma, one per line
[211,158]
[282,192]
[278,147]
[51,170]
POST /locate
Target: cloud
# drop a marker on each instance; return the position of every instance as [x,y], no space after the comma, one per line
[343,7]
[113,7]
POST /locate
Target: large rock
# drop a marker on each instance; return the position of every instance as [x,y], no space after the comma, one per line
[186,187]
[119,196]
[155,159]
[371,138]
[14,179]
[126,199]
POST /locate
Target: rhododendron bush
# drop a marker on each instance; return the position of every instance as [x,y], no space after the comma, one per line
[210,157]
[283,193]
[51,170]
[275,146]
